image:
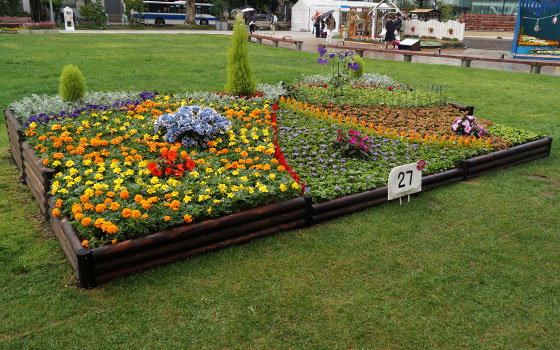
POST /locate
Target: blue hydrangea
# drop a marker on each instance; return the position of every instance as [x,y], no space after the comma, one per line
[193,125]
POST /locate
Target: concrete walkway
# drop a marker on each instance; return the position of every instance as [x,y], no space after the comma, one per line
[484,40]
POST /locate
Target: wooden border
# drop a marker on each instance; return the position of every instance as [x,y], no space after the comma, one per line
[98,265]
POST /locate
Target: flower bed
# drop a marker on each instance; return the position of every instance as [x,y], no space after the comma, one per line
[208,173]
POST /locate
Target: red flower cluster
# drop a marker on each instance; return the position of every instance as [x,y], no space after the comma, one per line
[170,163]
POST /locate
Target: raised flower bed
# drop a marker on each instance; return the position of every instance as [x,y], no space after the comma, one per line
[204,179]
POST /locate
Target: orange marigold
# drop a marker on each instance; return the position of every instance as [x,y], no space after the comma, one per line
[166,218]
[100,208]
[56,212]
[187,218]
[126,213]
[124,194]
[86,221]
[85,243]
[78,216]
[59,203]
[114,206]
[135,214]
[138,198]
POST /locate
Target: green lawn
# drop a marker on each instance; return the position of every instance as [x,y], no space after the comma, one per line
[473,265]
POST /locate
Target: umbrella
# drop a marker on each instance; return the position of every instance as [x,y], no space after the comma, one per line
[248,9]
[327,14]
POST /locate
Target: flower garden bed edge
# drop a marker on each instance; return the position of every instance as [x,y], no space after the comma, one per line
[95,266]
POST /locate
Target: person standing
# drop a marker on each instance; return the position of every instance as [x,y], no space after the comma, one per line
[273,22]
[389,31]
[317,26]
[398,25]
[331,25]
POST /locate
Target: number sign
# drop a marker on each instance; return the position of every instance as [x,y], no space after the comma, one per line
[403,180]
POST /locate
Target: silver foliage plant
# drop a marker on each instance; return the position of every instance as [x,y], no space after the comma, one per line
[367,79]
[36,104]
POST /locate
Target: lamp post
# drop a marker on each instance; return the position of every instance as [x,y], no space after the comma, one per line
[52,14]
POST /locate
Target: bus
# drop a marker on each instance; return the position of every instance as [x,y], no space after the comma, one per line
[162,12]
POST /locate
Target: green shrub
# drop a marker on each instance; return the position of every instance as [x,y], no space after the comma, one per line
[357,74]
[72,83]
[240,78]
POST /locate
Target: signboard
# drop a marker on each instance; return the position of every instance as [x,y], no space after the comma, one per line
[410,44]
[537,30]
[405,180]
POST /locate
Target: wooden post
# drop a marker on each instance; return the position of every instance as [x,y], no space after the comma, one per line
[535,69]
[298,45]
[407,58]
[360,52]
[86,272]
[465,62]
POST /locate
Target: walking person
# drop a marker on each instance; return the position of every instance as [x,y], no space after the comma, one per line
[389,31]
[331,25]
[273,22]
[252,20]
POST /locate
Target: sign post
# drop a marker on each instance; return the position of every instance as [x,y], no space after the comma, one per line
[405,180]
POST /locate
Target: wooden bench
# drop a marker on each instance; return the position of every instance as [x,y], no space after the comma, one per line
[260,38]
[12,21]
[465,60]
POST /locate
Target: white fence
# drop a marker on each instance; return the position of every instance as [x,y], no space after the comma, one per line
[450,29]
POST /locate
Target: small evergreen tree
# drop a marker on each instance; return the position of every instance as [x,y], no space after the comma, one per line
[94,12]
[72,83]
[357,74]
[240,78]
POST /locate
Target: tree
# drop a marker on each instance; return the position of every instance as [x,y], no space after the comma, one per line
[190,15]
[136,5]
[94,12]
[240,78]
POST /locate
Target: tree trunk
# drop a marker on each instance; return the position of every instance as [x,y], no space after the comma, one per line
[190,15]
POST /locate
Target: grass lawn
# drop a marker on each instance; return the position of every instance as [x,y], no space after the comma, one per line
[473,265]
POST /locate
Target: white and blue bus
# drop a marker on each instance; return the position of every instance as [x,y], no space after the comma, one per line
[173,12]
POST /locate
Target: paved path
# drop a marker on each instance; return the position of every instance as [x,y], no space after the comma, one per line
[310,44]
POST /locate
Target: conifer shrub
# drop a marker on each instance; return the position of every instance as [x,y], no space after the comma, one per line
[357,74]
[72,83]
[240,78]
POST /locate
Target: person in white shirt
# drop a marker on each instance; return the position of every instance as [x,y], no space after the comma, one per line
[273,22]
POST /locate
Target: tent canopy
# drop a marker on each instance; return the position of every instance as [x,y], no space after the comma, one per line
[304,11]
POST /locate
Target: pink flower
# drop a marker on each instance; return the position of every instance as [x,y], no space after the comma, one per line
[468,129]
[353,140]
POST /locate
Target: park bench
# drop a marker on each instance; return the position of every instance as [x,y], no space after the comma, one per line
[12,21]
[465,60]
[276,41]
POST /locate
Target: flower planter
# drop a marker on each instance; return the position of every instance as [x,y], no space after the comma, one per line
[95,266]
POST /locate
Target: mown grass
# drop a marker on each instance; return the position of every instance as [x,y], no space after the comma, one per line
[473,265]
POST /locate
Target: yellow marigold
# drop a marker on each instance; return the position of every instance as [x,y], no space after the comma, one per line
[86,221]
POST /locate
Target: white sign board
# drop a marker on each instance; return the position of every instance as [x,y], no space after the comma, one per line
[405,179]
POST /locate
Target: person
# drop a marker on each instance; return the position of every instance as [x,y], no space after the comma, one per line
[389,31]
[398,25]
[322,28]
[252,20]
[273,21]
[317,26]
[331,25]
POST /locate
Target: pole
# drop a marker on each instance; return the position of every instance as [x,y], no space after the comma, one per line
[52,14]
